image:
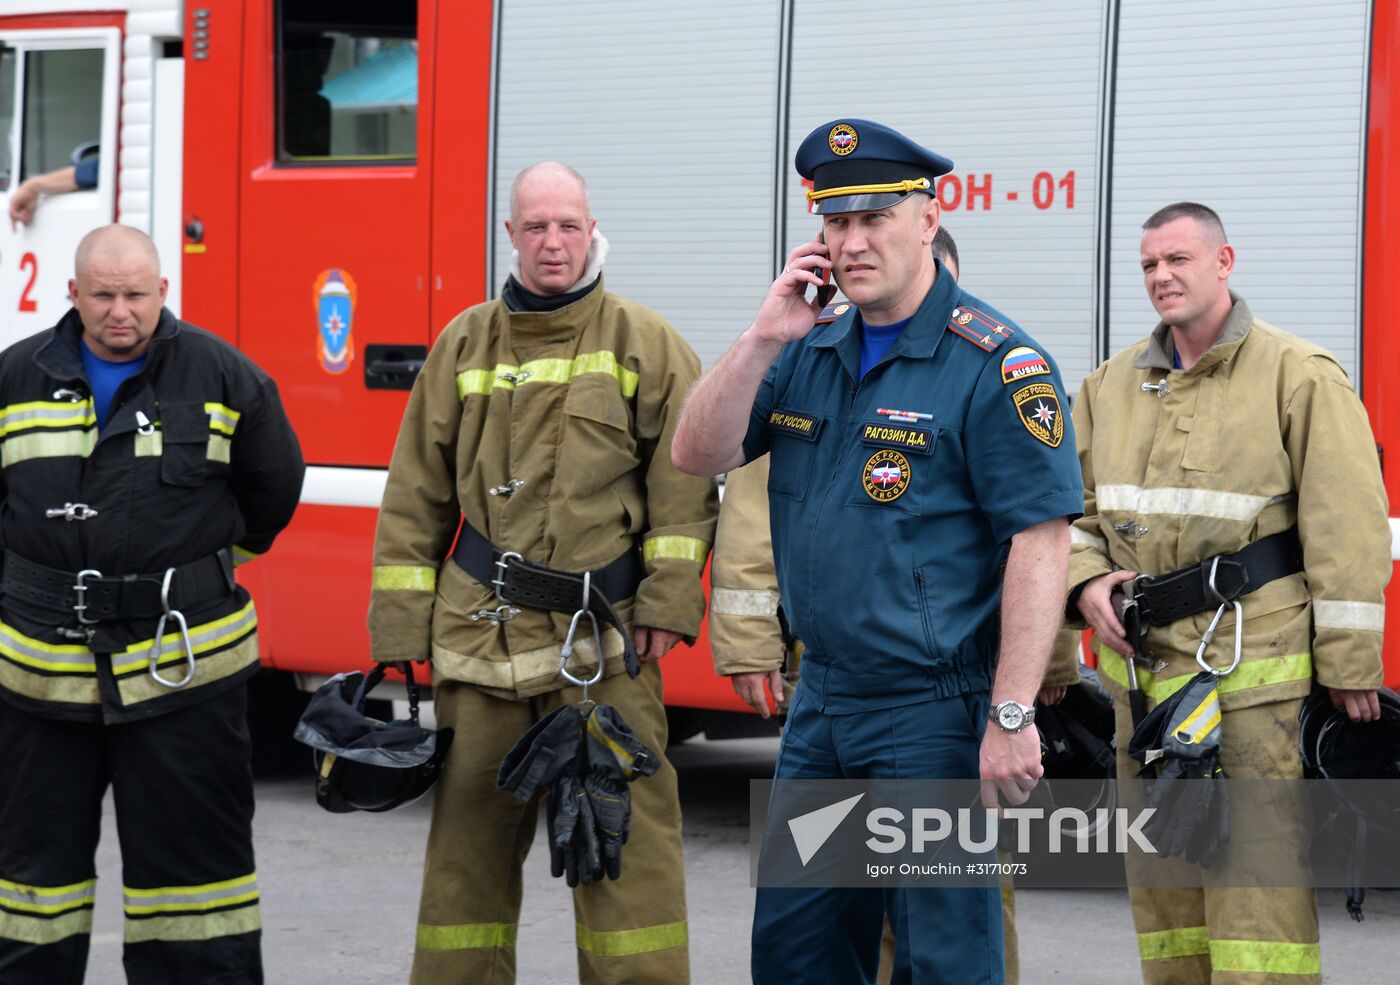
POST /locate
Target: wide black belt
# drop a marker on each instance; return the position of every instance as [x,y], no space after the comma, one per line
[94,597]
[1159,600]
[518,581]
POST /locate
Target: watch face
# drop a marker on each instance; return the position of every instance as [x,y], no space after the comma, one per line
[1010,716]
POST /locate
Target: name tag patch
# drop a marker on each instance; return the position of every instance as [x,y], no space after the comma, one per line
[919,441]
[885,476]
[802,426]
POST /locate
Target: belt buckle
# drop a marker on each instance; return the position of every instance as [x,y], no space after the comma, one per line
[80,590]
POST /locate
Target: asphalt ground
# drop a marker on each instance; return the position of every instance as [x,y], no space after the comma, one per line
[340,895]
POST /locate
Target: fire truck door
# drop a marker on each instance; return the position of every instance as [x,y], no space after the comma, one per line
[333,274]
[58,107]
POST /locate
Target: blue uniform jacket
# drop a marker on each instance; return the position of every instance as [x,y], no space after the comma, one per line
[890,533]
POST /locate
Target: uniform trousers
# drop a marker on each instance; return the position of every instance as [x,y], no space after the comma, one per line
[1224,931]
[632,930]
[817,936]
[183,791]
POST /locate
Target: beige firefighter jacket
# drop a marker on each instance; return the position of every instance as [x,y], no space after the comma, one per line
[577,407]
[1264,433]
[745,636]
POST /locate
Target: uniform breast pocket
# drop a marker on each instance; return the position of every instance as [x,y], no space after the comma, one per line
[184,457]
[1199,430]
[893,468]
[598,427]
[793,442]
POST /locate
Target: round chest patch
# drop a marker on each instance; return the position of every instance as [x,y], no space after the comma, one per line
[885,476]
[842,139]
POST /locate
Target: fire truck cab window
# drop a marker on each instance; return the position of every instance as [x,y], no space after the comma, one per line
[62,107]
[347,84]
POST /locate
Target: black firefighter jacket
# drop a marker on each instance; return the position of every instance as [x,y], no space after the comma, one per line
[197,457]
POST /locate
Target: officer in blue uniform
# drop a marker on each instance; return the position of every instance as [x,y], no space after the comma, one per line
[923,476]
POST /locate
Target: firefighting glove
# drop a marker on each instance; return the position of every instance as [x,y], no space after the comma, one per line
[550,748]
[573,840]
[1178,743]
[615,758]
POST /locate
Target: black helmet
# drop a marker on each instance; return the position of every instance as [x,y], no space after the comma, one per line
[1077,748]
[1338,750]
[363,764]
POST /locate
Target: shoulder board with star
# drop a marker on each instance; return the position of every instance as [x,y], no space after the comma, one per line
[979,328]
[832,312]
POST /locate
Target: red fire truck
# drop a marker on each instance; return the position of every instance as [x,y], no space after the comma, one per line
[327,179]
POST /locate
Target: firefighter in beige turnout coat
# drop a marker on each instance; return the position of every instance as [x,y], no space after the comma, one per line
[1216,431]
[543,420]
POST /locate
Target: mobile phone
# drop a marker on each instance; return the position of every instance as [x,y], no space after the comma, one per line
[826,290]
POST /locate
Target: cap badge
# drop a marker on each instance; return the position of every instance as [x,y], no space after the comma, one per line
[842,139]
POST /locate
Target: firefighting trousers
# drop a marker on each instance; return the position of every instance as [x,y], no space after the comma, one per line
[817,936]
[1227,932]
[183,792]
[631,930]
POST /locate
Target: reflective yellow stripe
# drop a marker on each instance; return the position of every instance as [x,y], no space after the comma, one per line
[220,448]
[1185,942]
[1266,957]
[681,548]
[743,602]
[38,444]
[241,555]
[46,414]
[46,899]
[194,927]
[456,937]
[1366,616]
[203,638]
[179,899]
[606,362]
[1176,501]
[405,577]
[907,185]
[222,418]
[65,658]
[45,930]
[1201,721]
[139,686]
[1250,674]
[482,381]
[616,943]
[147,445]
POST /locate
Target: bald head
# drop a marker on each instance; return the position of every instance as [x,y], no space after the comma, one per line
[551,227]
[118,291]
[549,178]
[116,243]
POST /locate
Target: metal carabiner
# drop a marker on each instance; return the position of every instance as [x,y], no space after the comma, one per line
[157,643]
[1209,634]
[567,649]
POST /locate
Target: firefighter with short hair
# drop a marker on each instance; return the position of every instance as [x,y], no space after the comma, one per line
[1228,468]
[140,459]
[538,434]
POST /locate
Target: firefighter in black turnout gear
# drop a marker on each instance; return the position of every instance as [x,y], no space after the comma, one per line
[140,459]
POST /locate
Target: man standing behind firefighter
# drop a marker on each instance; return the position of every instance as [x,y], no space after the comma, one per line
[541,424]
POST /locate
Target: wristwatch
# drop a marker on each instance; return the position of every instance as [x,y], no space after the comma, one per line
[1012,716]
